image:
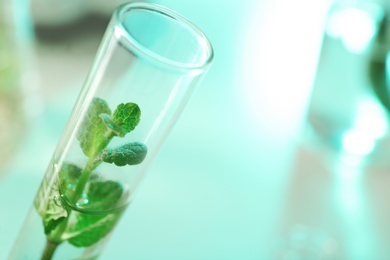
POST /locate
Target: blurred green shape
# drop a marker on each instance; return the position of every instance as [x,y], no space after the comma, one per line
[377,67]
[12,113]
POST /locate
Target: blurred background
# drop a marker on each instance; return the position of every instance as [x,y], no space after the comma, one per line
[281,153]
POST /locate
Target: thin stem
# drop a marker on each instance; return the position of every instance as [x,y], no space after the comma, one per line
[84,177]
[55,239]
[85,174]
[49,250]
[91,165]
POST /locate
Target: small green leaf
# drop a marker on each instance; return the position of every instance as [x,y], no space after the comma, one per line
[69,176]
[111,125]
[92,131]
[103,195]
[50,224]
[55,214]
[90,228]
[126,116]
[128,154]
[48,205]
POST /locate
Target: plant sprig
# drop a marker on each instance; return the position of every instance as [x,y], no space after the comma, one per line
[95,132]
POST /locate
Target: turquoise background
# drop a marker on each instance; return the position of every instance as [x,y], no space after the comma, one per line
[236,178]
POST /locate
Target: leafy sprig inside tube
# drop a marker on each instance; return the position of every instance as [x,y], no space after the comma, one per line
[99,127]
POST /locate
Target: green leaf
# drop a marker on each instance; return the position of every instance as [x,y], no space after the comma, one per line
[117,130]
[128,154]
[90,228]
[126,117]
[92,131]
[55,214]
[69,177]
[49,206]
[103,195]
[50,224]
[69,174]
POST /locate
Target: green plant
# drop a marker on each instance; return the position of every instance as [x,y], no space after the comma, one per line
[62,219]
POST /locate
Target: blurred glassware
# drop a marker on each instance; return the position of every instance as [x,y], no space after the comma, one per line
[51,13]
[344,111]
[16,36]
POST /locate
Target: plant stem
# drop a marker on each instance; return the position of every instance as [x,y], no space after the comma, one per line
[84,177]
[49,250]
[55,240]
[91,165]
